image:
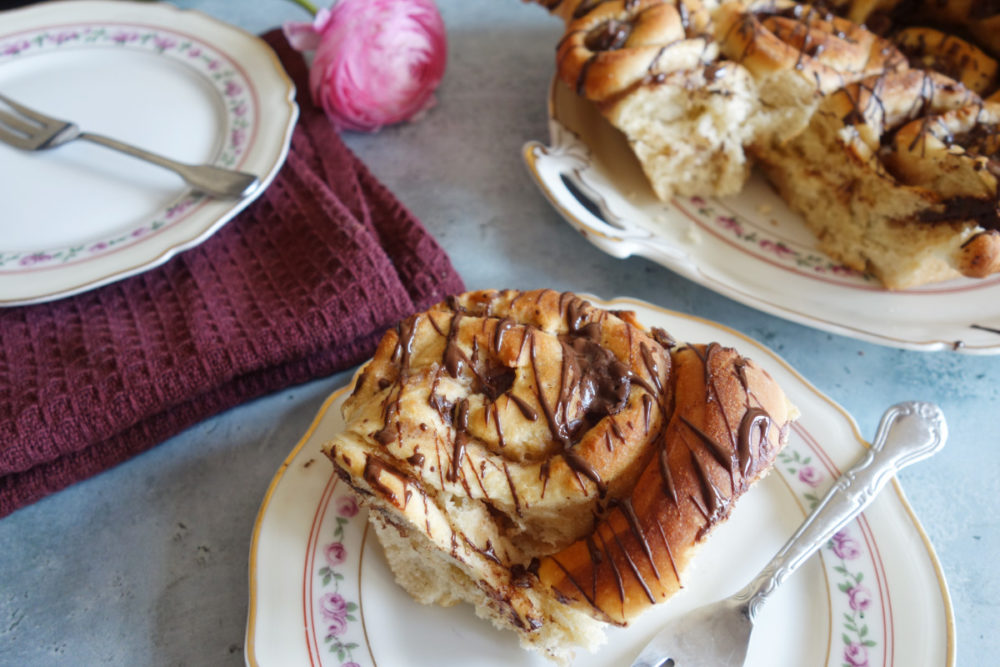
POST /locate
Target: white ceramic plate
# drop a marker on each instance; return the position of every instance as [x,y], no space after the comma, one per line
[321,592]
[175,82]
[749,247]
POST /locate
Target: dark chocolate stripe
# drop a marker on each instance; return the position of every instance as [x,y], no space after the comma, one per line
[753,418]
[458,446]
[710,493]
[615,570]
[635,571]
[513,491]
[670,552]
[666,475]
[633,522]
[525,408]
[576,584]
[724,458]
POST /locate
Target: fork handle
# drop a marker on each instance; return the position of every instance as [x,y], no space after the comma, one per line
[909,432]
[214,181]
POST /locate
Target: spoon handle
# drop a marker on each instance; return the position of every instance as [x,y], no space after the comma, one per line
[909,432]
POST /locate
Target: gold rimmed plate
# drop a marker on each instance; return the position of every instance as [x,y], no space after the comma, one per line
[749,247]
[322,594]
[176,82]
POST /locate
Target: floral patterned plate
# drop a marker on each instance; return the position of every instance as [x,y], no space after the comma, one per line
[321,593]
[749,247]
[176,82]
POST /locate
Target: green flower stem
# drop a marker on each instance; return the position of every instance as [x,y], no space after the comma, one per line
[306,5]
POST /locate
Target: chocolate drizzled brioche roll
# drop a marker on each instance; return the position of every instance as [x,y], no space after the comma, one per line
[724,431]
[796,53]
[652,68]
[692,84]
[957,38]
[898,175]
[975,20]
[553,463]
[701,90]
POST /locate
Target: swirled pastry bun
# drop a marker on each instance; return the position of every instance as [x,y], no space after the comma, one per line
[552,463]
[912,195]
[796,54]
[651,67]
[702,91]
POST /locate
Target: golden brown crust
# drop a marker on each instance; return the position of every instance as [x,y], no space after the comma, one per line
[920,160]
[929,48]
[724,433]
[495,427]
[702,90]
[615,45]
[767,36]
[882,104]
[980,255]
[500,370]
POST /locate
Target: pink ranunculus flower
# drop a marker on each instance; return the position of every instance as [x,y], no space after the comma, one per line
[335,553]
[856,655]
[810,476]
[377,62]
[845,547]
[859,597]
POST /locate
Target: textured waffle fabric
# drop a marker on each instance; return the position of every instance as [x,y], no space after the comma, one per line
[298,286]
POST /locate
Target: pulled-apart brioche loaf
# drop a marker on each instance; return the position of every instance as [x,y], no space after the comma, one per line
[649,66]
[914,200]
[550,462]
[704,90]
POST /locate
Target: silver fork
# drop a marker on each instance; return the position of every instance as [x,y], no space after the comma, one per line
[718,634]
[30,130]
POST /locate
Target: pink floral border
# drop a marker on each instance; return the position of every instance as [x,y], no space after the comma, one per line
[768,247]
[862,615]
[860,610]
[218,69]
[335,635]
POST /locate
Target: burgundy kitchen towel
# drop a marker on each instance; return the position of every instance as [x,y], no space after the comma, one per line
[299,285]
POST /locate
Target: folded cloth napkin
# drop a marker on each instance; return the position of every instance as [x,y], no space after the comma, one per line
[299,285]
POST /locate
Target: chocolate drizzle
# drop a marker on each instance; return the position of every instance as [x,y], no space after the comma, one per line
[717,450]
[588,383]
[712,501]
[753,418]
[372,474]
[524,577]
[636,527]
[609,35]
[461,423]
[522,405]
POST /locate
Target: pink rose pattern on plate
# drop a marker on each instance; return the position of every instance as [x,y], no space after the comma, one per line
[232,86]
[849,564]
[335,613]
[856,633]
[759,243]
